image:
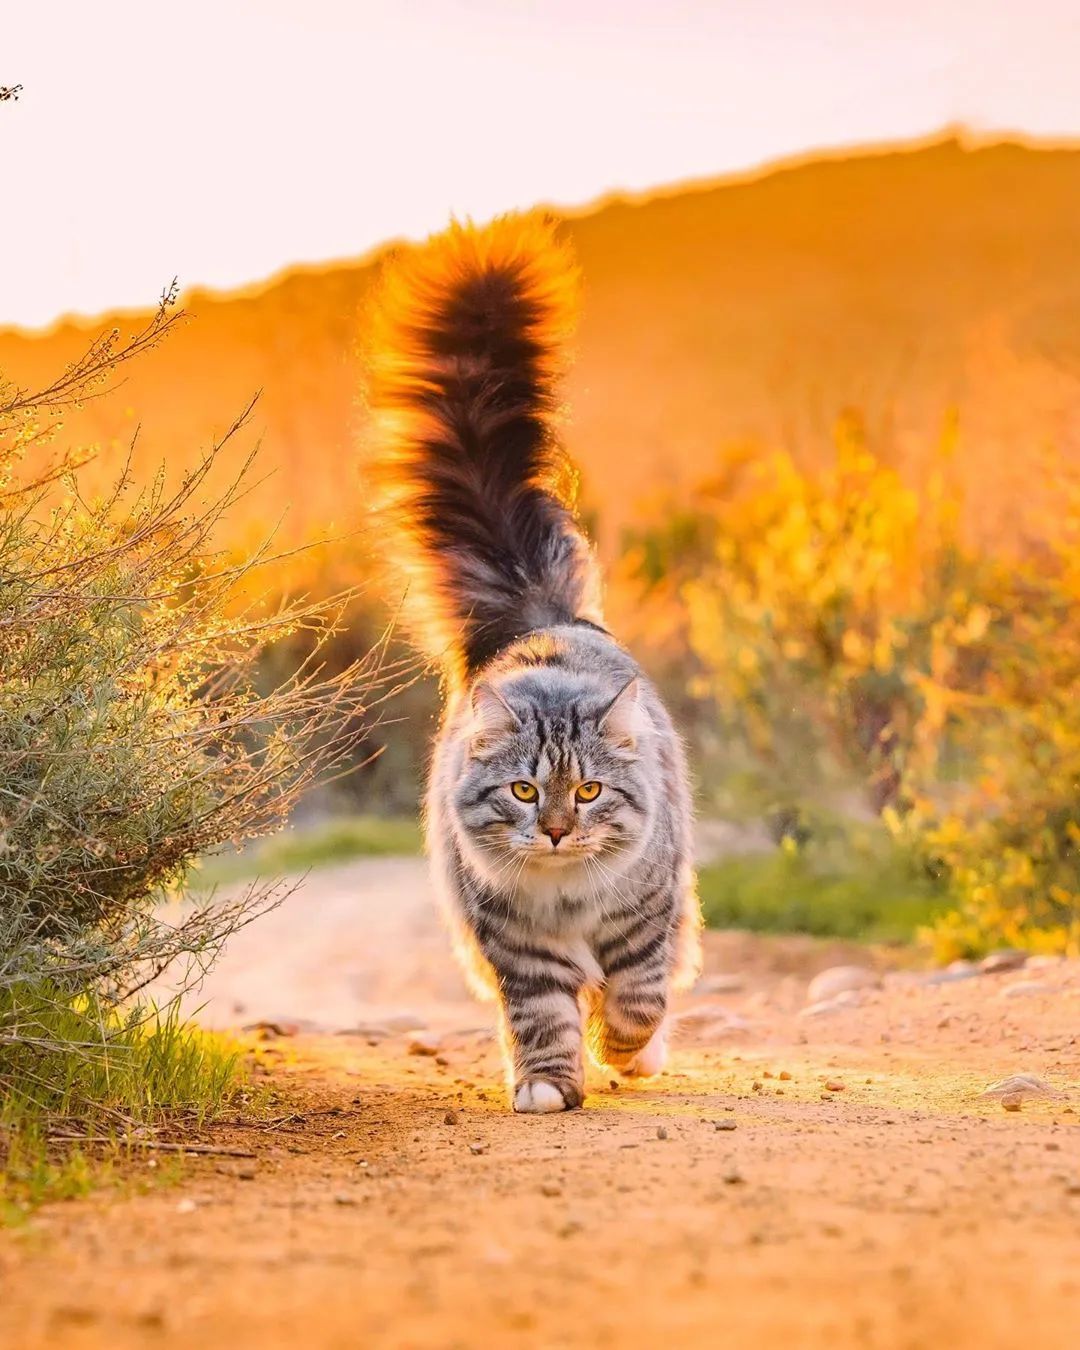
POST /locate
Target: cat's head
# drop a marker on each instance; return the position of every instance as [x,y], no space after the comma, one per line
[555,776]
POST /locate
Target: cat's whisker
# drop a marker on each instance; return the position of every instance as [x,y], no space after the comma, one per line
[613,880]
[604,913]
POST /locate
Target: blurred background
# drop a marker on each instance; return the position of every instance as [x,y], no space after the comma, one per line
[826,400]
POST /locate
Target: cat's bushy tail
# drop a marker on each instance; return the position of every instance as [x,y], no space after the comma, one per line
[469,340]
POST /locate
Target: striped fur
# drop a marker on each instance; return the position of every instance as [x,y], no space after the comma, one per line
[577,915]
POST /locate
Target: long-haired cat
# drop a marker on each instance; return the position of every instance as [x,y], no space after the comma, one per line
[558,816]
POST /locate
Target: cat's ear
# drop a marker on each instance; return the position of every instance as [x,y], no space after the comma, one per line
[492,719]
[622,721]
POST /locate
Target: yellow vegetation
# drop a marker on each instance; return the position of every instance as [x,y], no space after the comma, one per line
[840,619]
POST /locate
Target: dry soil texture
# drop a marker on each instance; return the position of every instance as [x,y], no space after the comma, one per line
[794,1181]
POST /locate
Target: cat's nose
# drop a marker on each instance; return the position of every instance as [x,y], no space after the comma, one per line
[554,833]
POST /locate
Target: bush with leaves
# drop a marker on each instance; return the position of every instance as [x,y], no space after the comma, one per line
[814,604]
[135,735]
[1006,833]
[839,627]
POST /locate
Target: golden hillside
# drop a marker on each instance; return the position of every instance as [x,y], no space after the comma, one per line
[905,283]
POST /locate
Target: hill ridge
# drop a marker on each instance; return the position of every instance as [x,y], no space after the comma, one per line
[911,281]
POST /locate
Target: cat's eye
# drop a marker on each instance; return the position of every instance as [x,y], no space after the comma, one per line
[524,792]
[588,792]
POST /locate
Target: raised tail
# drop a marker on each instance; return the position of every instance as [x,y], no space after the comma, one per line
[469,340]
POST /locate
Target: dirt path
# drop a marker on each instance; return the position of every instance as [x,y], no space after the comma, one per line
[398,1204]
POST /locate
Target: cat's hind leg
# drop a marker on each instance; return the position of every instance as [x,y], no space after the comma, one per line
[652,1056]
[627,1028]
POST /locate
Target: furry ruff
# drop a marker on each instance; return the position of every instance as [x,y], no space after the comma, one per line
[470,334]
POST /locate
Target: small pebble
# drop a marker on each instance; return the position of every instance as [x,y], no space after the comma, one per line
[724,1125]
[785,1077]
[999,962]
[834,1085]
[1023,988]
[1020,1085]
[478,1148]
[661,1132]
[450,1118]
[840,980]
[550,1188]
[733,1177]
[848,999]
[1045,962]
[719,984]
[958,970]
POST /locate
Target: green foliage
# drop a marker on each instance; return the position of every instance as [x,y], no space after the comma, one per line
[135,1060]
[305,847]
[88,1081]
[864,889]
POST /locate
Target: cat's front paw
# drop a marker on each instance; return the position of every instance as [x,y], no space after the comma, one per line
[537,1096]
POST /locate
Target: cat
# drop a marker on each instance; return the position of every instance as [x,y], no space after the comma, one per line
[558,816]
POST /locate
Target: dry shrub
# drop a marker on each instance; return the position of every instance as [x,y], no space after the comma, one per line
[135,734]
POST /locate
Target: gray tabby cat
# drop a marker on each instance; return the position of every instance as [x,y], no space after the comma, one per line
[558,815]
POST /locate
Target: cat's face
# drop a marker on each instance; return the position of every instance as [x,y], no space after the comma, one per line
[553,779]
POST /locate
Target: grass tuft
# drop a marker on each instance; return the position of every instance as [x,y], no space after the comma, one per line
[89,1082]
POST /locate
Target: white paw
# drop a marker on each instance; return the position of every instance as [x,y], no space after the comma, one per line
[536,1098]
[650,1058]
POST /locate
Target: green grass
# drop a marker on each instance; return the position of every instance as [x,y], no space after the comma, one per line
[849,882]
[301,849]
[867,892]
[72,1066]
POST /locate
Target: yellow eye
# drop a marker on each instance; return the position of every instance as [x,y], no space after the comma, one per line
[524,792]
[588,792]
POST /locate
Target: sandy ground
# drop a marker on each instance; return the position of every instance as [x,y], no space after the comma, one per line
[793,1181]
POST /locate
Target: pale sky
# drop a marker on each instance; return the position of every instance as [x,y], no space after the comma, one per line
[220,140]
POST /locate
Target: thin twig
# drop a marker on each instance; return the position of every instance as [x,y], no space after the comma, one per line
[156,1145]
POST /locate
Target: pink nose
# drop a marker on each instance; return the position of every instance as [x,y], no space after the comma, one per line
[554,834]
